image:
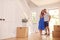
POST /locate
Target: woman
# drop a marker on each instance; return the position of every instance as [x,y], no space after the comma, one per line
[41,22]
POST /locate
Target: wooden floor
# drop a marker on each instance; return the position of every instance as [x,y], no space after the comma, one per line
[35,36]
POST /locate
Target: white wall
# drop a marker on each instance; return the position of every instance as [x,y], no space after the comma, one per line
[13,11]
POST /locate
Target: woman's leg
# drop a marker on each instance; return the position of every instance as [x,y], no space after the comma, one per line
[40,32]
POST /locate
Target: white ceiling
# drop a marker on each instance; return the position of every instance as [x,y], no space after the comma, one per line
[31,4]
[44,2]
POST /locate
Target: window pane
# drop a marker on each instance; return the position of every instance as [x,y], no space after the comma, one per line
[34,17]
[54,12]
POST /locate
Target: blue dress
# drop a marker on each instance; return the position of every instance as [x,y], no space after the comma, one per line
[41,24]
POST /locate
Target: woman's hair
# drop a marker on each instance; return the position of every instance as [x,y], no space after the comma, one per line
[42,12]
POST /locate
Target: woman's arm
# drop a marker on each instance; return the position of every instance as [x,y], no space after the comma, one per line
[41,16]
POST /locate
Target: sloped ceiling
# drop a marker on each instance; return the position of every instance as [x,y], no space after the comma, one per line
[31,4]
[44,2]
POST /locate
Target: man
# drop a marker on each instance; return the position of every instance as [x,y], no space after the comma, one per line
[46,22]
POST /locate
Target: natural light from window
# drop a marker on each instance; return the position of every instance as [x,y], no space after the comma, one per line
[54,13]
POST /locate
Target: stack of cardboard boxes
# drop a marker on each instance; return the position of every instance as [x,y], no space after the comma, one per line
[22,32]
[56,32]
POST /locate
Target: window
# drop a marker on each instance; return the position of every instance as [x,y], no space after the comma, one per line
[54,13]
[34,17]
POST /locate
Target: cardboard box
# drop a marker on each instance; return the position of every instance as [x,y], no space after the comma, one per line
[56,39]
[56,27]
[22,32]
[56,34]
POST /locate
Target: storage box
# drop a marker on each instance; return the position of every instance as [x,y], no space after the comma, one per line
[22,32]
[56,39]
[56,27]
[56,34]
